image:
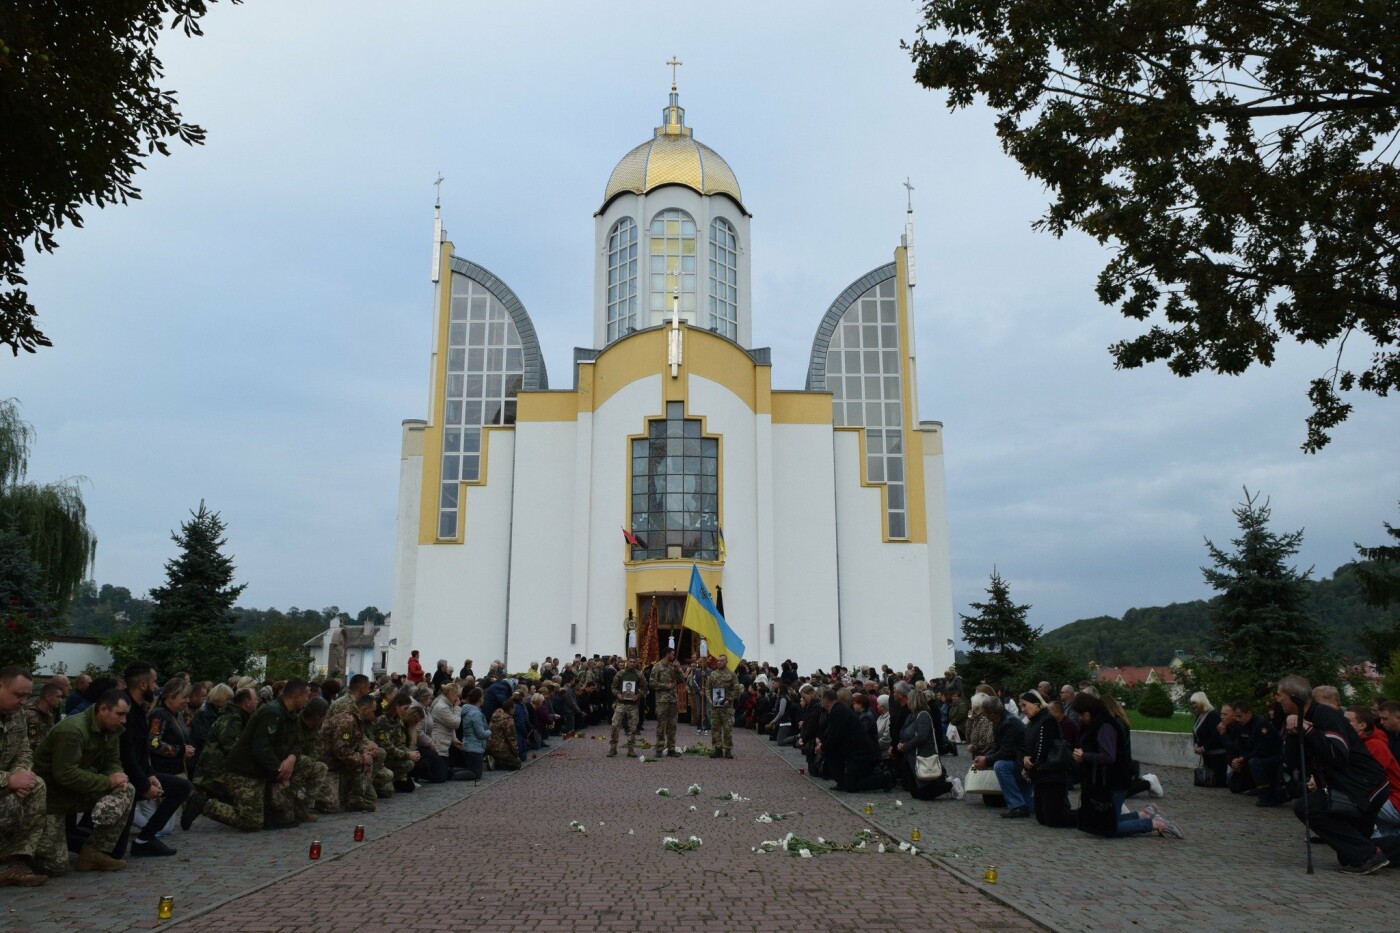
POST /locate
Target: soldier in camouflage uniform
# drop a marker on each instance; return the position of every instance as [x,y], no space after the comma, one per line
[23,796]
[387,731]
[41,714]
[628,687]
[324,796]
[86,750]
[345,703]
[665,678]
[223,736]
[268,757]
[720,688]
[349,755]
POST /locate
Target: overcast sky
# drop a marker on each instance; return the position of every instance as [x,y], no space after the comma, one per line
[254,330]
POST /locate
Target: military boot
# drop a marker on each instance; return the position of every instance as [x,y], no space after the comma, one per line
[91,859]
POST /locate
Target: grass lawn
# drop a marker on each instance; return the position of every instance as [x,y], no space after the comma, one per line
[1181,722]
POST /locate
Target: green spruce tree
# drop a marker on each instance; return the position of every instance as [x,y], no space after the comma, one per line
[25,620]
[997,636]
[191,626]
[1260,625]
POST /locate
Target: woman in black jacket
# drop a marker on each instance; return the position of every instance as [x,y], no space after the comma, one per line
[1047,762]
[170,747]
[1209,740]
[1105,757]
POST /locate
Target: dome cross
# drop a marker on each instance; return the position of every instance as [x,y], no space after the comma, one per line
[674,63]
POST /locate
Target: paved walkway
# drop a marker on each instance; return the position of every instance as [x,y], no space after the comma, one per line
[503,857]
[1240,868]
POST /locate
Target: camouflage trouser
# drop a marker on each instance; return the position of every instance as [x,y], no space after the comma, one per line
[379,774]
[625,717]
[22,821]
[665,724]
[308,778]
[401,768]
[722,725]
[109,816]
[356,788]
[245,807]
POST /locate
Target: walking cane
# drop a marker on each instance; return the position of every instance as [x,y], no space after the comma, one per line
[1303,766]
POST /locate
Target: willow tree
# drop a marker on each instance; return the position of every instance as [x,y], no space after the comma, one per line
[46,521]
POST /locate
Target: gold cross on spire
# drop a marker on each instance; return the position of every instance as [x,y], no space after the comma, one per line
[674,63]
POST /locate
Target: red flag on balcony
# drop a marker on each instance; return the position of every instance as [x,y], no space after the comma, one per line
[633,539]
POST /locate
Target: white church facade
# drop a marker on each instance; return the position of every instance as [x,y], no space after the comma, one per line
[820,511]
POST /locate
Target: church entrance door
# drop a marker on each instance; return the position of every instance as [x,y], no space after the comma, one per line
[669,609]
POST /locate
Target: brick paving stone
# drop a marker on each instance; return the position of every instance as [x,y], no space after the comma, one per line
[505,858]
[1240,867]
[215,864]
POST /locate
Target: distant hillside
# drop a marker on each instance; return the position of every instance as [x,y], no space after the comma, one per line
[1152,635]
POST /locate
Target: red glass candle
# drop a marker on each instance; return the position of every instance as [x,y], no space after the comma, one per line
[315,850]
[360,833]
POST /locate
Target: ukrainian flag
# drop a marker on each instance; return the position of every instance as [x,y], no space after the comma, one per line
[703,618]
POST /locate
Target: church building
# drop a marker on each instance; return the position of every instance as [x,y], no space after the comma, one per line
[536,521]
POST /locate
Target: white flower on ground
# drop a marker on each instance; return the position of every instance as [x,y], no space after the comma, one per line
[695,839]
[913,851]
[642,759]
[716,813]
[629,832]
[821,840]
[761,818]
[662,792]
[882,848]
[692,809]
[668,840]
[903,846]
[805,853]
[899,803]
[601,823]
[693,790]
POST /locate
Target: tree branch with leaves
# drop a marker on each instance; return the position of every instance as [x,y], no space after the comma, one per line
[1239,157]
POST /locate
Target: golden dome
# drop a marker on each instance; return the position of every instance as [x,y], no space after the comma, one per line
[673,157]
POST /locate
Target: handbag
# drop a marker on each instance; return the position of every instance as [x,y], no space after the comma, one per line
[981,782]
[928,767]
[1204,777]
[1059,758]
[1341,804]
[1097,814]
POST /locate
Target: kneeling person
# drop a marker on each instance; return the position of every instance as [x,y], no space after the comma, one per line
[23,797]
[80,763]
[269,752]
[350,754]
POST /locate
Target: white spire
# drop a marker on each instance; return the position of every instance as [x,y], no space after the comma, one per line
[437,230]
[908,239]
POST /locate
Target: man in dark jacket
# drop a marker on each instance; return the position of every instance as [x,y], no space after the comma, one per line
[269,752]
[851,755]
[171,790]
[496,695]
[1004,757]
[1346,787]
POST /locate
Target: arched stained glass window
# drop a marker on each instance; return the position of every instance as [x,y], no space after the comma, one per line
[675,488]
[485,371]
[863,375]
[724,279]
[622,278]
[672,264]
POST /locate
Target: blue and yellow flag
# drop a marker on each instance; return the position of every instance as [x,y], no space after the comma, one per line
[704,619]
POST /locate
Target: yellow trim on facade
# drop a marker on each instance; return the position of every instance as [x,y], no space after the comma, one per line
[622,363]
[432,434]
[662,577]
[915,519]
[800,407]
[703,354]
[545,405]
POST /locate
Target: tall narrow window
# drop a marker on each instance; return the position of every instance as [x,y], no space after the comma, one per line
[724,279]
[672,251]
[622,278]
[863,375]
[485,371]
[675,488]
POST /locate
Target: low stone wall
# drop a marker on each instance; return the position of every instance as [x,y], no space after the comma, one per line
[1166,749]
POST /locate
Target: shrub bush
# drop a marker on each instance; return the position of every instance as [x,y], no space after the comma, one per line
[1156,702]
